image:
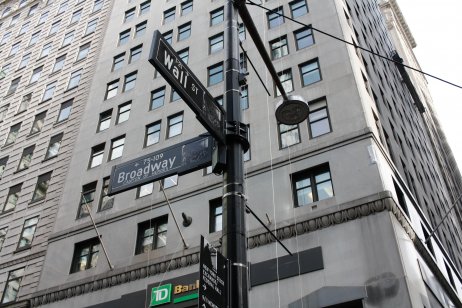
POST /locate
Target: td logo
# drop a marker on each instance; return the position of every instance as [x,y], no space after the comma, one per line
[161,295]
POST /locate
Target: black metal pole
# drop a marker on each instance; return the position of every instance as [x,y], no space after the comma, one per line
[234,237]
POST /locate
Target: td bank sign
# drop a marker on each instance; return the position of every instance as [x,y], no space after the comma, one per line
[163,294]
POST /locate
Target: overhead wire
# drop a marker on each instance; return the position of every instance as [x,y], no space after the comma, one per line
[275,11]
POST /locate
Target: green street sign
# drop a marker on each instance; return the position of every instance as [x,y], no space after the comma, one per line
[161,295]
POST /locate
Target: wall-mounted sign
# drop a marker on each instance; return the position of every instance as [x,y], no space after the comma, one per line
[170,65]
[179,159]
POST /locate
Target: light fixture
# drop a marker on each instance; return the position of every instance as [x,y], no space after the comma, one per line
[292,110]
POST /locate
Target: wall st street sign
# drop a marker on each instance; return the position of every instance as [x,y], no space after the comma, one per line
[169,64]
[181,158]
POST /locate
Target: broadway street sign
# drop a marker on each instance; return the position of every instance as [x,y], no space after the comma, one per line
[169,64]
[213,277]
[179,159]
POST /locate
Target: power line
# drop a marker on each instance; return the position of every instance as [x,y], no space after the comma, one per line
[250,2]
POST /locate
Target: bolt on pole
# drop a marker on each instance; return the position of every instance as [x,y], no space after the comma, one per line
[234,234]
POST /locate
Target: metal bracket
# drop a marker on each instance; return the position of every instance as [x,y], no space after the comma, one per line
[239,131]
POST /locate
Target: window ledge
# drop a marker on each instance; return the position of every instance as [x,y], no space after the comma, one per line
[21,112]
[37,202]
[20,170]
[6,146]
[22,249]
[49,158]
[32,135]
[7,212]
[70,89]
[56,124]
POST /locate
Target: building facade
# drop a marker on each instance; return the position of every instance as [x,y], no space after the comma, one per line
[354,191]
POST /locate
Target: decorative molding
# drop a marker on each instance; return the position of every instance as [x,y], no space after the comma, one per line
[23,259]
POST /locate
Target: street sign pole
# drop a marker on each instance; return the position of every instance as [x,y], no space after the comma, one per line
[234,234]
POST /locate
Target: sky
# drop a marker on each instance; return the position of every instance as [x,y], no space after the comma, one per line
[436,27]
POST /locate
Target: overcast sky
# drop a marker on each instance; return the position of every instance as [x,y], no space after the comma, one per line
[436,27]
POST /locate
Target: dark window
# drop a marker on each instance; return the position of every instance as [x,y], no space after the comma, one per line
[216,43]
[175,125]
[286,80]
[186,7]
[129,15]
[28,231]
[169,15]
[298,8]
[74,80]
[152,134]
[12,197]
[13,134]
[312,185]
[118,61]
[3,162]
[145,7]
[124,37]
[59,63]
[53,147]
[135,53]
[130,81]
[289,135]
[184,31]
[86,200]
[49,91]
[157,98]
[244,98]
[184,55]
[318,118]
[26,158]
[3,232]
[3,112]
[13,86]
[112,89]
[35,75]
[216,215]
[26,99]
[117,148]
[215,74]
[175,96]
[279,47]
[152,234]
[168,36]
[97,153]
[104,120]
[217,16]
[83,52]
[246,155]
[91,26]
[41,188]
[65,111]
[12,285]
[85,255]
[140,28]
[275,17]
[241,32]
[310,72]
[124,112]
[105,202]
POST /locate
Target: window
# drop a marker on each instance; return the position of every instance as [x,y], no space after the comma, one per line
[184,31]
[129,82]
[217,16]
[168,36]
[24,103]
[216,43]
[279,47]
[152,134]
[74,80]
[13,86]
[186,7]
[35,75]
[86,199]
[286,79]
[244,97]
[62,8]
[216,215]
[49,91]
[124,37]
[105,202]
[246,155]
[152,234]
[175,96]
[175,125]
[184,55]
[59,63]
[28,231]
[24,28]
[14,48]
[46,50]
[6,11]
[169,15]
[97,153]
[54,27]
[112,89]
[312,185]
[289,135]
[298,8]
[91,26]
[135,53]
[215,74]
[145,190]
[304,38]
[104,120]
[13,134]
[34,38]
[64,111]
[118,61]
[145,7]
[38,123]
[68,38]
[318,118]
[76,16]
[32,10]
[157,98]
[5,70]
[124,112]
[83,52]
[140,28]
[310,72]
[12,198]
[41,188]
[22,3]
[26,158]
[275,17]
[3,111]
[97,5]
[117,148]
[53,146]
[129,15]
[43,18]
[3,162]
[12,285]
[241,32]
[5,38]
[14,19]
[3,232]
[85,255]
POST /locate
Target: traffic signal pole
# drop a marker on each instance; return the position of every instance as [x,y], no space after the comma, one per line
[234,242]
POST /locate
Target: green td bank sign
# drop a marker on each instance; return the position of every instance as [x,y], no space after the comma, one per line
[161,295]
[177,293]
